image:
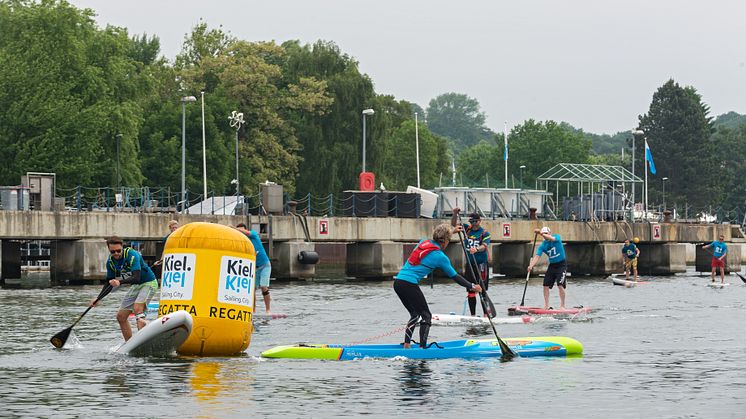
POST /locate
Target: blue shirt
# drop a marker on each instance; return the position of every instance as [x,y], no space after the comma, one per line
[431,261]
[629,250]
[476,238]
[718,248]
[130,261]
[553,249]
[261,255]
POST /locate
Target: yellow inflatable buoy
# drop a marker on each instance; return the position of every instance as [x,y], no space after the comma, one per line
[208,270]
[636,240]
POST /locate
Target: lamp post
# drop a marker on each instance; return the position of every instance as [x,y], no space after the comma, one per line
[204,151]
[417,146]
[635,134]
[184,101]
[523,166]
[236,119]
[366,112]
[119,178]
[664,193]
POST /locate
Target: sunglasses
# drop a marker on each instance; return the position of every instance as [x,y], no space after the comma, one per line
[115,251]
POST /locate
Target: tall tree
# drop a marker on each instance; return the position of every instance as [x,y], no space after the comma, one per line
[458,118]
[678,129]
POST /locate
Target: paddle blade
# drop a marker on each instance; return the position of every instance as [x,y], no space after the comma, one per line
[741,276]
[60,338]
[487,306]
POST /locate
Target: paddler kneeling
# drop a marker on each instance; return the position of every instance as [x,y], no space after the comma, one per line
[426,257]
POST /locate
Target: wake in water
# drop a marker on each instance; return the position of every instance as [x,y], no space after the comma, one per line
[72,342]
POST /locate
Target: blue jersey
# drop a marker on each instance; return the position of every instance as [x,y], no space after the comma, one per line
[718,248]
[553,249]
[431,261]
[629,251]
[130,261]
[261,255]
[476,238]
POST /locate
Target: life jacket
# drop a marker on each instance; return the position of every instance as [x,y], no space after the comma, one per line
[126,262]
[423,249]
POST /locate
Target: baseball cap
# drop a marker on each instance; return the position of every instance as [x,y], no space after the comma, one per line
[474,217]
[545,230]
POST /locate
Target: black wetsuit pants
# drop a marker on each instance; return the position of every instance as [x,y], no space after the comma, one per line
[414,300]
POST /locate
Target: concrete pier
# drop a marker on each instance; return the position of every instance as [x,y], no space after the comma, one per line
[662,259]
[512,259]
[376,260]
[78,261]
[286,264]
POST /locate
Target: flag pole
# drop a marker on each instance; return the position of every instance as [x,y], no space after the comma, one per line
[647,165]
[505,137]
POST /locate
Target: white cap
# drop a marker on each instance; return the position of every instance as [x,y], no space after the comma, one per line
[545,230]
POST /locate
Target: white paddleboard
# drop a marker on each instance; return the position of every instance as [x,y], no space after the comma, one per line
[160,337]
[717,285]
[456,320]
[626,282]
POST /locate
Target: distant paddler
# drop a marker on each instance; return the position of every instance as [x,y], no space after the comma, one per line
[557,270]
[425,258]
[630,256]
[719,250]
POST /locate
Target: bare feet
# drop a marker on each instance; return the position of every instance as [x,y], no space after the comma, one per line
[407,345]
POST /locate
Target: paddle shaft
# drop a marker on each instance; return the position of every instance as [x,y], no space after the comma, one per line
[504,348]
[60,338]
[528,274]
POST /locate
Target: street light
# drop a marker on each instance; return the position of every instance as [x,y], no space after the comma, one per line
[523,166]
[184,101]
[236,119]
[365,113]
[664,193]
[119,178]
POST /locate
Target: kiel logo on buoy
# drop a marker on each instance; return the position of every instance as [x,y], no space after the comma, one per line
[178,276]
[236,284]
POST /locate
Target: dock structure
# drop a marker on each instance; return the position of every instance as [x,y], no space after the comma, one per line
[361,247]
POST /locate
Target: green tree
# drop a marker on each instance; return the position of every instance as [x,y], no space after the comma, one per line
[458,118]
[678,130]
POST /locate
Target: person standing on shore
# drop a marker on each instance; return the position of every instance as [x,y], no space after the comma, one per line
[263,266]
[630,253]
[719,250]
[478,244]
[557,270]
[126,266]
[425,258]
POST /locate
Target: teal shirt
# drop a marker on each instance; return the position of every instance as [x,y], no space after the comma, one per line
[476,238]
[433,260]
[718,248]
[130,261]
[554,249]
[629,251]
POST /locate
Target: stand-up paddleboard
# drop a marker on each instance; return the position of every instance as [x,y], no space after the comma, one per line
[273,316]
[456,320]
[525,347]
[717,285]
[627,283]
[521,310]
[160,337]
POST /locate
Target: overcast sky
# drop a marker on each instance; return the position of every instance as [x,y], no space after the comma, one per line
[592,63]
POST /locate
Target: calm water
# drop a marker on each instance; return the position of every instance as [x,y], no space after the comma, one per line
[673,348]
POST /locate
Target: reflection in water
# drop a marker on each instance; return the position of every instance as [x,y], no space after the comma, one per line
[215,380]
[415,378]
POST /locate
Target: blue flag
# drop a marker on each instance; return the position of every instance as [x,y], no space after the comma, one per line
[649,157]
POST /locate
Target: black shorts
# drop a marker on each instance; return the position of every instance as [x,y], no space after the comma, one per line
[556,273]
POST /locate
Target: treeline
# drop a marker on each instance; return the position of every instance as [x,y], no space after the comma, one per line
[79,100]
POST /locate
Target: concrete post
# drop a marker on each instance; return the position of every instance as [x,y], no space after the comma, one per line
[374,260]
[76,261]
[662,258]
[512,259]
[285,265]
[594,258]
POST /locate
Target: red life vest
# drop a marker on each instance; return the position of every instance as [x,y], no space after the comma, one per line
[423,249]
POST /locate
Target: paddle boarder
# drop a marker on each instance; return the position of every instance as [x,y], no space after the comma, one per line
[173,225]
[426,257]
[478,243]
[719,250]
[557,270]
[630,253]
[263,266]
[125,265]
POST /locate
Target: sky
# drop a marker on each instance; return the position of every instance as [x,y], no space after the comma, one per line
[594,64]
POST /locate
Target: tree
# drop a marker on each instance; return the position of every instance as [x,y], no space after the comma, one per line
[678,130]
[458,118]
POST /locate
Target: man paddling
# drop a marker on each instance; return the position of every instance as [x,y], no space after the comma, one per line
[719,250]
[126,266]
[630,253]
[425,258]
[557,270]
[478,243]
[263,266]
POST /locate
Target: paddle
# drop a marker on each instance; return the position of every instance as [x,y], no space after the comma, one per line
[507,352]
[741,276]
[60,338]
[528,274]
